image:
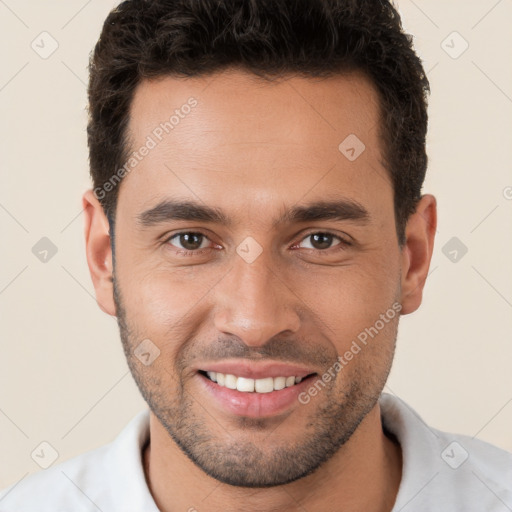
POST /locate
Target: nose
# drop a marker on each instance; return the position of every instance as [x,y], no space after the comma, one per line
[254,303]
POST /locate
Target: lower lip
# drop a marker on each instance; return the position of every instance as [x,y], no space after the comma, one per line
[254,405]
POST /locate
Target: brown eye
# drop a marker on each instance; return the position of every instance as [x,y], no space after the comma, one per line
[320,241]
[189,241]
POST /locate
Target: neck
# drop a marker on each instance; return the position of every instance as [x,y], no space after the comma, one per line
[364,474]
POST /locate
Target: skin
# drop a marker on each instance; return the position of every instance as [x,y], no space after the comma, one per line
[253,150]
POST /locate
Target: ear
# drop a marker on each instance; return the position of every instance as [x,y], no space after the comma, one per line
[417,252]
[99,252]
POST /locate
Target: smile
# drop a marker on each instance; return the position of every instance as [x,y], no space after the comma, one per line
[247,385]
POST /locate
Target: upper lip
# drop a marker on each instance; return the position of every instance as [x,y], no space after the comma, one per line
[252,370]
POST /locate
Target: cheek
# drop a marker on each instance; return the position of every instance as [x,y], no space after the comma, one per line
[346,302]
[164,303]
[356,310]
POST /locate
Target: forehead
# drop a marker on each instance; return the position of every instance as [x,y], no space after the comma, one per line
[231,136]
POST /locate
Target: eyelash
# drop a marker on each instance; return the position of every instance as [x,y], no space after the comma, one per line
[342,245]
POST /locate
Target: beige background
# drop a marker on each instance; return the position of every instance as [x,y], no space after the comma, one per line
[63,377]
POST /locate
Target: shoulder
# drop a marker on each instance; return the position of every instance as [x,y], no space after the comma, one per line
[106,478]
[58,487]
[444,471]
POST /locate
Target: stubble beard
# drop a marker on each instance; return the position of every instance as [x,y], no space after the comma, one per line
[236,459]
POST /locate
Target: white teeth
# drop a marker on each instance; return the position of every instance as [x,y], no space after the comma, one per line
[279,383]
[230,381]
[246,385]
[290,381]
[265,385]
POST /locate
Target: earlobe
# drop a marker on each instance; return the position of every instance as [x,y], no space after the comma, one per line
[99,252]
[417,252]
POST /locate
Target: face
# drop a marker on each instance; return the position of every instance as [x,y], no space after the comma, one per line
[253,254]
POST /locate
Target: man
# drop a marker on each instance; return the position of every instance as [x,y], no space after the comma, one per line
[257,227]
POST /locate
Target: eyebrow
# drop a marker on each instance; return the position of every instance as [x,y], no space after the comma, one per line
[172,209]
[342,209]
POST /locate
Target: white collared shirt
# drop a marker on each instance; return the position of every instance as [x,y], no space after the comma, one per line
[441,472]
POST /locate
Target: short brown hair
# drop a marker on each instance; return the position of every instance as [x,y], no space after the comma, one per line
[270,38]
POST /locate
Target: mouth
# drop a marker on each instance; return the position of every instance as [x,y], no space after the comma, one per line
[248,385]
[246,390]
